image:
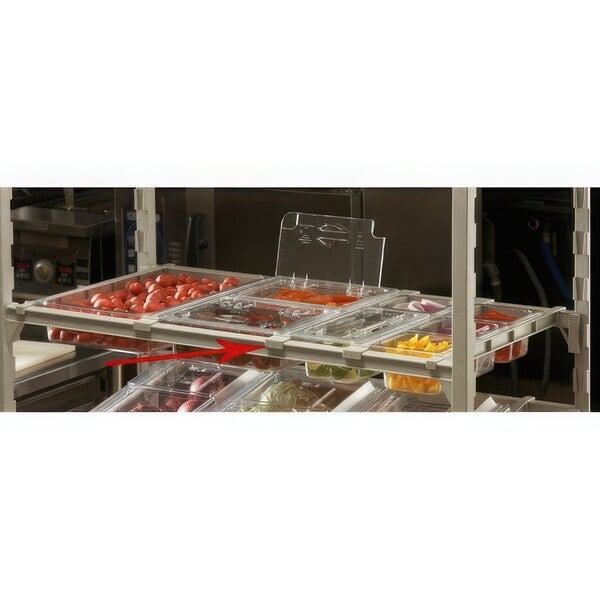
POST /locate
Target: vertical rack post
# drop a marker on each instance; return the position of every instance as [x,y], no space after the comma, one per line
[145,235]
[463,295]
[7,282]
[581,295]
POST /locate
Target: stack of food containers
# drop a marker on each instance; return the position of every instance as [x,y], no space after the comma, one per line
[182,386]
[433,339]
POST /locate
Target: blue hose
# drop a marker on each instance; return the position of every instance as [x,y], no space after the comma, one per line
[555,272]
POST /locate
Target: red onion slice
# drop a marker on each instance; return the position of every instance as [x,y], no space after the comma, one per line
[431,306]
[416,306]
[190,405]
[199,383]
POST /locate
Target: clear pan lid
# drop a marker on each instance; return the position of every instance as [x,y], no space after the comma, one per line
[196,376]
[167,386]
[420,303]
[236,313]
[330,248]
[374,397]
[443,326]
[364,326]
[134,398]
[288,391]
[328,294]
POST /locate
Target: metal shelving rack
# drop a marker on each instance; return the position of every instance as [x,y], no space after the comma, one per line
[457,375]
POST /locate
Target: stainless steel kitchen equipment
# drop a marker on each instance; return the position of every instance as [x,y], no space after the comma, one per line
[57,249]
[77,384]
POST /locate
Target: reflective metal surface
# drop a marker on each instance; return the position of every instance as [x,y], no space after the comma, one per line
[85,363]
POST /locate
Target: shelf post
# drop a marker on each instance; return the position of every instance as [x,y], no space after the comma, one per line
[7,282]
[463,295]
[145,235]
[581,295]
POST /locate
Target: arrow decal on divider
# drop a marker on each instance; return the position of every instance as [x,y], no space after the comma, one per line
[229,350]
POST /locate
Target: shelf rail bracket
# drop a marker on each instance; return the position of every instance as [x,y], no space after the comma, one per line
[569,324]
[145,235]
[276,342]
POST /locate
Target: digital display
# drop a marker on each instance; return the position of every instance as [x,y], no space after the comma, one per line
[65,274]
[22,269]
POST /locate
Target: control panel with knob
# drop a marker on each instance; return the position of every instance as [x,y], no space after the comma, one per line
[43,271]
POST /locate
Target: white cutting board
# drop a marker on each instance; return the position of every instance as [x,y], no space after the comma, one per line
[30,356]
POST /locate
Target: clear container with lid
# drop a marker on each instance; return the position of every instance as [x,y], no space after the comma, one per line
[413,384]
[247,315]
[510,317]
[318,293]
[199,382]
[158,289]
[325,260]
[133,296]
[361,327]
[419,344]
[288,391]
[134,398]
[503,313]
[512,352]
[420,303]
[373,396]
[103,341]
[432,339]
[246,361]
[483,329]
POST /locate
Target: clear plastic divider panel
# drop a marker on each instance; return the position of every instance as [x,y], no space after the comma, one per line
[330,248]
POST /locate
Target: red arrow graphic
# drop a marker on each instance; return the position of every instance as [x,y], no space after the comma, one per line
[229,350]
